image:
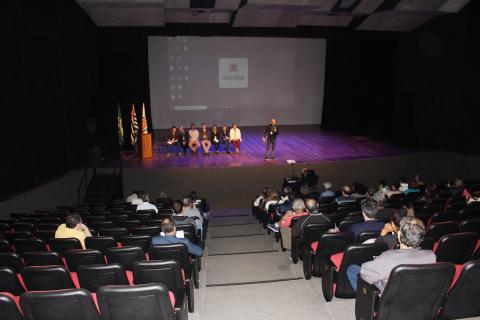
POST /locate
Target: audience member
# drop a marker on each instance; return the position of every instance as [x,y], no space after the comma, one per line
[179,217]
[136,201]
[377,272]
[132,196]
[345,196]
[314,216]
[193,213]
[170,231]
[145,204]
[262,198]
[284,223]
[359,190]
[327,190]
[370,224]
[73,228]
[389,232]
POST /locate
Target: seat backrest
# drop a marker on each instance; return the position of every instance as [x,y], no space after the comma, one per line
[116,233]
[313,232]
[78,257]
[8,307]
[100,243]
[92,277]
[31,245]
[415,291]
[346,224]
[45,235]
[24,226]
[11,260]
[42,258]
[439,229]
[428,243]
[355,254]
[331,243]
[40,278]
[11,235]
[469,213]
[71,304]
[144,301]
[101,224]
[9,282]
[129,223]
[5,246]
[48,225]
[456,248]
[366,235]
[451,215]
[470,225]
[150,231]
[142,241]
[462,300]
[167,272]
[126,256]
[142,215]
[63,245]
[175,251]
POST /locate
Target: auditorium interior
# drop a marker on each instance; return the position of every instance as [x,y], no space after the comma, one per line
[377,104]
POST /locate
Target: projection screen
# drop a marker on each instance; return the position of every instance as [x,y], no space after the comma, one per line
[221,80]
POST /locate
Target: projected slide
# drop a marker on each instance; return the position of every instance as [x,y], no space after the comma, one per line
[220,80]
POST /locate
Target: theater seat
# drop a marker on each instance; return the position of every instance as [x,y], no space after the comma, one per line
[125,256]
[11,260]
[5,246]
[169,273]
[42,278]
[70,304]
[439,229]
[100,243]
[329,244]
[77,257]
[92,277]
[412,292]
[149,231]
[179,253]
[8,307]
[142,241]
[31,245]
[334,276]
[469,225]
[63,245]
[462,300]
[42,258]
[145,301]
[456,248]
[9,282]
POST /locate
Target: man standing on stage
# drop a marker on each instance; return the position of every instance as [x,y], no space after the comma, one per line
[270,137]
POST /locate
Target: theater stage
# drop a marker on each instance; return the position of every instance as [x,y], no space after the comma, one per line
[304,144]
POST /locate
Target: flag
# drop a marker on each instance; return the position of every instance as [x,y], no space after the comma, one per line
[120,127]
[144,120]
[133,126]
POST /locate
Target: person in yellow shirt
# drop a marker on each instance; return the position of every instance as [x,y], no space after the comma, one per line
[73,228]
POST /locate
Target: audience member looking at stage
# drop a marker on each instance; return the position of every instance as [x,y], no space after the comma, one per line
[284,223]
[314,216]
[236,137]
[273,198]
[327,190]
[370,224]
[73,228]
[179,217]
[193,136]
[165,200]
[205,138]
[132,196]
[377,272]
[262,198]
[145,204]
[190,211]
[389,233]
[345,196]
[170,231]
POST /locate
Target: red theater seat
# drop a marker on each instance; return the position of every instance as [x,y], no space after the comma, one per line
[9,307]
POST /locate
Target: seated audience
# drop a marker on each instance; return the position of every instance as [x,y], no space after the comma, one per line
[73,228]
[178,215]
[370,224]
[262,197]
[145,204]
[190,211]
[327,190]
[132,196]
[377,272]
[170,231]
[345,196]
[164,199]
[309,178]
[359,190]
[314,216]
[389,232]
[285,222]
[273,198]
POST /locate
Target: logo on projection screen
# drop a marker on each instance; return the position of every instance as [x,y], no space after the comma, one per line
[233,72]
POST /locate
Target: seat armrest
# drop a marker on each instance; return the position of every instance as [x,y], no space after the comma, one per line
[368,296]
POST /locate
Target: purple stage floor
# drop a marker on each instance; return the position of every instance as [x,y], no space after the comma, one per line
[304,144]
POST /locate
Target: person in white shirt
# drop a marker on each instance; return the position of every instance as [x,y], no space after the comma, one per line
[132,196]
[193,136]
[145,205]
[235,137]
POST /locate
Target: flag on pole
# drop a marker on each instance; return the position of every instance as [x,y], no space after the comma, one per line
[121,138]
[144,120]
[133,126]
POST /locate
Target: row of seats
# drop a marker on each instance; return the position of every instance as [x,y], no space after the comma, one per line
[150,301]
